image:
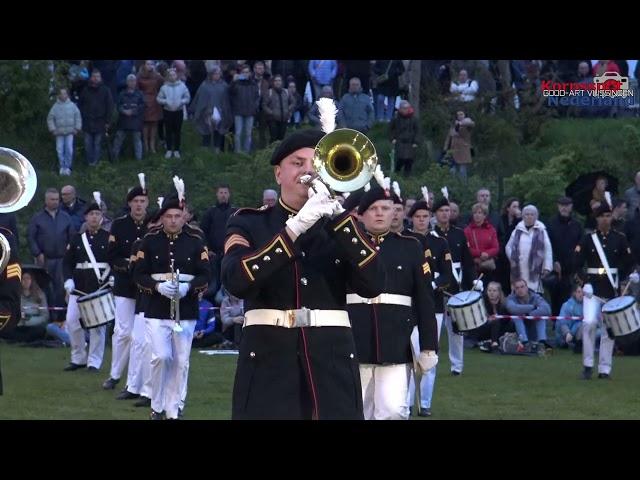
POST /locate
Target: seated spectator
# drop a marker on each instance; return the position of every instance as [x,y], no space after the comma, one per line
[356,110]
[569,332]
[32,326]
[232,315]
[489,333]
[404,131]
[204,334]
[525,301]
[64,122]
[483,240]
[464,89]
[58,331]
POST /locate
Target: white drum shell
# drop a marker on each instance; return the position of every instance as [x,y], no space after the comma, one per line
[467,310]
[621,315]
[96,309]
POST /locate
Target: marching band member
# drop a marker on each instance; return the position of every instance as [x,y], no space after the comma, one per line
[10,288]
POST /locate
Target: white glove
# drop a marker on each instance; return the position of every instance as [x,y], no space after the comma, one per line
[321,188]
[112,281]
[427,360]
[183,287]
[587,289]
[167,289]
[69,285]
[319,205]
[478,286]
[634,277]
[434,286]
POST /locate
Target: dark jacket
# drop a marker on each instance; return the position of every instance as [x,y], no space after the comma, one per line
[214,224]
[393,69]
[131,101]
[8,220]
[406,132]
[277,105]
[96,107]
[50,235]
[244,97]
[564,233]
[10,290]
[76,212]
[632,231]
[124,233]
[85,279]
[356,111]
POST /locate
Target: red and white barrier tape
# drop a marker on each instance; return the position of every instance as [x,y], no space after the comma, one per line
[534,317]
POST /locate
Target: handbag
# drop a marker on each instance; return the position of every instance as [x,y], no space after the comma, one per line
[488,265]
[384,77]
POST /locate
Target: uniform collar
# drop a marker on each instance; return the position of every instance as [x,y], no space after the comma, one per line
[93,232]
[286,207]
[138,223]
[443,230]
[172,236]
[604,234]
[378,238]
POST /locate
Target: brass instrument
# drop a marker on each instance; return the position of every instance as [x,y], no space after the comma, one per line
[175,301]
[345,160]
[18,184]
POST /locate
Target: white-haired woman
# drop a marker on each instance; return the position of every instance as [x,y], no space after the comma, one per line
[529,249]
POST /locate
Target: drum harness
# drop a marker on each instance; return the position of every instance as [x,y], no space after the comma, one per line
[605,263]
[93,263]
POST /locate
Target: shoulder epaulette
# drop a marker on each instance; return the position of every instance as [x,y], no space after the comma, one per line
[409,237]
[434,233]
[242,211]
[153,231]
[194,231]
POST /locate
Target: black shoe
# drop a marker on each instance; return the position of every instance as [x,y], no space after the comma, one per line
[604,375]
[92,369]
[424,412]
[587,373]
[455,373]
[126,395]
[74,366]
[142,402]
[412,412]
[110,383]
[156,416]
[180,414]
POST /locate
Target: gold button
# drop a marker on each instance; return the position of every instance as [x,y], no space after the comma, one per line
[255,268]
[337,261]
[170,243]
[346,230]
[170,253]
[304,281]
[363,252]
[377,248]
[304,254]
[278,250]
[252,354]
[266,258]
[354,240]
[399,267]
[351,355]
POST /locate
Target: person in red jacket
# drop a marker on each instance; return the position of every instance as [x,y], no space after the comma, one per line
[483,240]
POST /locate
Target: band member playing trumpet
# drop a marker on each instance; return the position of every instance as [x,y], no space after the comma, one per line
[172,265]
[84,275]
[607,256]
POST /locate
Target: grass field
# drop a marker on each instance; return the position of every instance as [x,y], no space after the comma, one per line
[491,387]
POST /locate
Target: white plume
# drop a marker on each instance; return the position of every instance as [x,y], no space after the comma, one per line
[378,175]
[345,195]
[142,182]
[425,193]
[445,192]
[328,111]
[607,197]
[160,201]
[386,183]
[179,184]
[97,198]
[367,187]
[396,189]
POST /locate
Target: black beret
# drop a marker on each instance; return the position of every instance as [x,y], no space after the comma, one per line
[441,202]
[419,205]
[169,203]
[353,200]
[297,140]
[91,207]
[136,192]
[373,195]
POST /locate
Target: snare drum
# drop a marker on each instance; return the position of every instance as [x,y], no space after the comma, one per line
[97,308]
[467,310]
[621,315]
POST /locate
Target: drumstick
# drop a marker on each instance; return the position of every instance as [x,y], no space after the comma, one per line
[624,292]
[80,292]
[475,282]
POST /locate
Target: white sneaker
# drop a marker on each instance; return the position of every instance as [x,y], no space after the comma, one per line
[168,154]
[62,171]
[67,171]
[176,154]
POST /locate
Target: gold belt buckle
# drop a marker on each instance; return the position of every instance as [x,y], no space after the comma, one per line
[299,318]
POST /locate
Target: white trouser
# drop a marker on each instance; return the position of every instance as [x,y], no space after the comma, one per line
[169,360]
[592,311]
[456,346]
[121,341]
[147,384]
[384,391]
[428,380]
[78,341]
[139,358]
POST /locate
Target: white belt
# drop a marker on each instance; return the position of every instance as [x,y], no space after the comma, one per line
[302,317]
[88,265]
[601,271]
[389,298]
[183,277]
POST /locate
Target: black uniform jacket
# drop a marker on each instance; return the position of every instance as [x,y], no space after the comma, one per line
[10,287]
[85,279]
[124,232]
[459,249]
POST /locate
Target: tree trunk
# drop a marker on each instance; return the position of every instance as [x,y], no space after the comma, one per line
[415,68]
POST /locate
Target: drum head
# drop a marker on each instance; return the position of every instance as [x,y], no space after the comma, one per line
[618,304]
[464,298]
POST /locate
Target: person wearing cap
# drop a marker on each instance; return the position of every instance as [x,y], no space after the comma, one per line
[436,251]
[182,248]
[602,283]
[565,233]
[292,264]
[382,325]
[82,277]
[124,232]
[462,272]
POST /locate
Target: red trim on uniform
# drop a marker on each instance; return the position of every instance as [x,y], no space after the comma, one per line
[314,415]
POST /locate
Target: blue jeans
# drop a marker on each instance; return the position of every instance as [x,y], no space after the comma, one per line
[566,326]
[460,170]
[539,325]
[92,147]
[384,114]
[119,140]
[64,148]
[58,333]
[243,127]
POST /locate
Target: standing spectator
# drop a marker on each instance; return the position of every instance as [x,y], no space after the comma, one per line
[277,109]
[356,68]
[386,74]
[212,96]
[632,195]
[35,316]
[465,89]
[597,198]
[314,112]
[529,250]
[130,118]
[404,131]
[527,302]
[603,66]
[96,106]
[484,196]
[454,216]
[619,214]
[78,77]
[149,83]
[108,69]
[173,96]
[262,79]
[125,68]
[458,143]
[292,68]
[321,73]
[50,231]
[355,110]
[569,332]
[295,101]
[483,241]
[565,233]
[245,99]
[73,206]
[64,122]
[510,217]
[269,198]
